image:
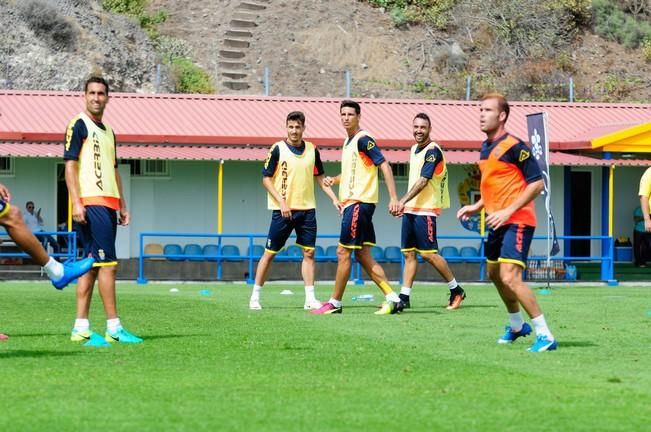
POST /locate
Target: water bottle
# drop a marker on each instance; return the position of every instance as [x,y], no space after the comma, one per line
[363,297]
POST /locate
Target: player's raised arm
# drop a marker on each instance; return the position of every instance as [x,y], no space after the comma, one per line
[466,212]
[391,187]
[319,174]
[328,191]
[5,195]
[268,184]
[415,190]
[331,181]
[72,181]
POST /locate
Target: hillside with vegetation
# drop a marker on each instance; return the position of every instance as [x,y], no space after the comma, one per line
[438,49]
[531,50]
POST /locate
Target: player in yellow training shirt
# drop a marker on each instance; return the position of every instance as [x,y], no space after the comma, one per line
[358,193]
[95,189]
[427,194]
[288,176]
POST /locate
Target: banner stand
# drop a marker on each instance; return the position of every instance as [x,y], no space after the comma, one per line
[539,142]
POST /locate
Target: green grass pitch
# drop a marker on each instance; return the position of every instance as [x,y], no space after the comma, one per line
[208,363]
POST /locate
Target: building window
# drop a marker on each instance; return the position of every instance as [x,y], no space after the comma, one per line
[6,166]
[400,171]
[149,168]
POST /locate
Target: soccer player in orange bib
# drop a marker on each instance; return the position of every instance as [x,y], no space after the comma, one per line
[510,181]
[358,193]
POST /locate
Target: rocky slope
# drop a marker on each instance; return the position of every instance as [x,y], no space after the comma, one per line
[307,46]
[56,44]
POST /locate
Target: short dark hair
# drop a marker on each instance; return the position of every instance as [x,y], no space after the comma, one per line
[28,203]
[423,116]
[296,116]
[350,104]
[96,79]
[502,103]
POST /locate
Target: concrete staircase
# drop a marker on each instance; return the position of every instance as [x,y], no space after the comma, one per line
[236,43]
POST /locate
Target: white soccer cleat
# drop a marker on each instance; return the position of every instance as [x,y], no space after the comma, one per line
[255,305]
[312,304]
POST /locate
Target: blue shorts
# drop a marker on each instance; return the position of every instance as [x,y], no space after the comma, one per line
[510,243]
[357,226]
[4,207]
[98,234]
[419,233]
[303,221]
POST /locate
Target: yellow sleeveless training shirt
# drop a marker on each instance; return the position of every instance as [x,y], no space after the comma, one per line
[435,195]
[97,164]
[359,177]
[294,177]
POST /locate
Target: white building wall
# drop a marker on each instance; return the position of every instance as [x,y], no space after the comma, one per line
[34,180]
[626,199]
[186,201]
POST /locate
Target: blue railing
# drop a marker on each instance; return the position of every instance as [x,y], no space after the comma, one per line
[220,257]
[251,258]
[70,254]
[607,260]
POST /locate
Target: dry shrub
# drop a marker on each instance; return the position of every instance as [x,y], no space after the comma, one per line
[57,31]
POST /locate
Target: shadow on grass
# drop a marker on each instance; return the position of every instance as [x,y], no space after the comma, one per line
[35,353]
[172,336]
[576,344]
[441,309]
[26,335]
[422,310]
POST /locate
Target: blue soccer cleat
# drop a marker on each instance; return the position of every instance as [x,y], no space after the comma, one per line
[542,344]
[90,338]
[122,336]
[72,271]
[510,336]
[96,341]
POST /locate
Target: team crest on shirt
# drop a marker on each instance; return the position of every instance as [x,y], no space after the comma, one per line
[524,155]
[370,145]
[101,254]
[430,158]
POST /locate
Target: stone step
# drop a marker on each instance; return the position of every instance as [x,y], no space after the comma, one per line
[236,43]
[254,6]
[243,24]
[231,54]
[235,75]
[238,34]
[245,16]
[225,64]
[236,85]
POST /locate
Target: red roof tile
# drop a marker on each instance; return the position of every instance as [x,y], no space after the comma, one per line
[215,153]
[34,116]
